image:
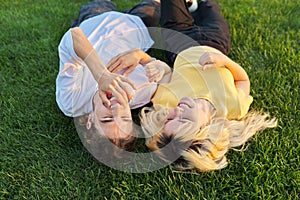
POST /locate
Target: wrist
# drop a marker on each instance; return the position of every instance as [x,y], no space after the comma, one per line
[144,57]
[95,65]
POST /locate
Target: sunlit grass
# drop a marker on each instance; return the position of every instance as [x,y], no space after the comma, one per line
[41,156]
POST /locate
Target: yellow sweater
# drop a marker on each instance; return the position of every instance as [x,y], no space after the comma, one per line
[214,84]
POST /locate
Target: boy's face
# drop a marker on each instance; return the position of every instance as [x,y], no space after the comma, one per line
[116,121]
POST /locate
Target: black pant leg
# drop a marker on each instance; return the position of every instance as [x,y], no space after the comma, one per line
[148,11]
[213,26]
[211,29]
[92,9]
[176,22]
[175,15]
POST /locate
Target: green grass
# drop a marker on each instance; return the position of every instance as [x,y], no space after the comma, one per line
[41,156]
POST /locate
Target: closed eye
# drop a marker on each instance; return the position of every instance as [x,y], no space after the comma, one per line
[106,119]
[168,120]
[184,120]
[127,119]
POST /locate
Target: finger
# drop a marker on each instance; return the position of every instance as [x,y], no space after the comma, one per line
[120,65]
[120,95]
[148,72]
[151,71]
[129,92]
[150,67]
[152,79]
[149,75]
[125,87]
[207,66]
[118,68]
[129,81]
[104,99]
[157,77]
[204,59]
[129,70]
[113,66]
[153,76]
[113,63]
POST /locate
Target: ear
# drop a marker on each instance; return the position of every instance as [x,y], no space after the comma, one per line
[89,122]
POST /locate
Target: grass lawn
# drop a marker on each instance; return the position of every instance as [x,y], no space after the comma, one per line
[41,156]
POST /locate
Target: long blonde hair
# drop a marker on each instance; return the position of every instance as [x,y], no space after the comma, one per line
[207,146]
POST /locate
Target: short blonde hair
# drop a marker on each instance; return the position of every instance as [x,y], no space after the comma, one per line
[207,146]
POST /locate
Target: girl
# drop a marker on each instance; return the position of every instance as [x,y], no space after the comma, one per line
[200,110]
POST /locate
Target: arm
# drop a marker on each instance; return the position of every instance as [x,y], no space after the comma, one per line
[157,71]
[108,82]
[240,76]
[86,52]
[128,60]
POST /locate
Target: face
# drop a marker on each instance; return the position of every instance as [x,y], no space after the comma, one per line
[116,121]
[186,111]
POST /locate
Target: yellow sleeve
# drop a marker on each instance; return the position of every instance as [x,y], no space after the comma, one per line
[245,102]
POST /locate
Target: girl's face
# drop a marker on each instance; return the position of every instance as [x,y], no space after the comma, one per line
[187,110]
[116,121]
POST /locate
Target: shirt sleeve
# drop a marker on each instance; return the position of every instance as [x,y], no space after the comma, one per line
[75,85]
[245,102]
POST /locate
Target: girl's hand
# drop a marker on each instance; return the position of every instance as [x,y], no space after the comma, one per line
[156,70]
[115,85]
[128,61]
[211,59]
[241,79]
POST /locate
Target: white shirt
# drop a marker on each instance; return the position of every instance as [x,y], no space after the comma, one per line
[110,34]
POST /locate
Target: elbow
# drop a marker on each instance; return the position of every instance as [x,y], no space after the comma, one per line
[243,85]
[247,88]
[75,31]
[77,34]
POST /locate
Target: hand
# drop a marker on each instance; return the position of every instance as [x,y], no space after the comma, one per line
[116,86]
[155,70]
[127,60]
[211,59]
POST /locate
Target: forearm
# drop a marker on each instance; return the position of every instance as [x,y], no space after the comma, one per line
[240,76]
[86,52]
[241,79]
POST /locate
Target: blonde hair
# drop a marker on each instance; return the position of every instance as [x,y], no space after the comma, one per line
[207,146]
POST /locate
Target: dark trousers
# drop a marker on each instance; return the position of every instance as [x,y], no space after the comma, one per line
[181,29]
[147,10]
